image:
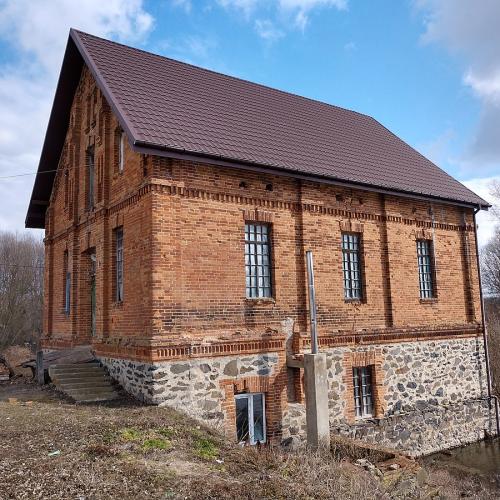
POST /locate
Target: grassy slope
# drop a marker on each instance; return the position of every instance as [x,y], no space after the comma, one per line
[130,451]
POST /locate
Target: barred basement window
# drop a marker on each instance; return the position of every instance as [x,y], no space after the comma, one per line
[351,266]
[257,261]
[250,418]
[363,391]
[119,264]
[425,269]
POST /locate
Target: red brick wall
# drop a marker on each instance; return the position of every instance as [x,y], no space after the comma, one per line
[184,275]
[120,200]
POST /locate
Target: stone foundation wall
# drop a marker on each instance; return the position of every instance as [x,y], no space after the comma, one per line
[195,386]
[432,397]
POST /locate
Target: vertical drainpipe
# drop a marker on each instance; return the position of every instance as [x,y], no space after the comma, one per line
[491,396]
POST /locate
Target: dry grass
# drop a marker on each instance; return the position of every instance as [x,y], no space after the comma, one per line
[131,451]
[492,310]
[15,355]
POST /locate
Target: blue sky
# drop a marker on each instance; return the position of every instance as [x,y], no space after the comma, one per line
[426,69]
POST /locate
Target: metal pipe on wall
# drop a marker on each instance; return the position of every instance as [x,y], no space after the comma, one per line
[312,302]
[491,396]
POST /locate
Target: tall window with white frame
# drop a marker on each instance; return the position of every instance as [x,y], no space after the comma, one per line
[121,151]
[351,266]
[67,284]
[250,418]
[90,177]
[363,391]
[425,269]
[258,261]
[119,264]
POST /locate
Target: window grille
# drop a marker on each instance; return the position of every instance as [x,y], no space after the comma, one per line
[67,284]
[119,263]
[425,269]
[363,391]
[257,261]
[351,266]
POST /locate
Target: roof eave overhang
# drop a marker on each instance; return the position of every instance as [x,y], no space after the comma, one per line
[55,135]
[74,58]
[147,148]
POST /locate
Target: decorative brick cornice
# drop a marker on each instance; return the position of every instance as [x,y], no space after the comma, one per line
[170,188]
[189,349]
[387,336]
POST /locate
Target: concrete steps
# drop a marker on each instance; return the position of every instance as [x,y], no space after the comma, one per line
[83,382]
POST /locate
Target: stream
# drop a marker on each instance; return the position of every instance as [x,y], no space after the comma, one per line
[482,458]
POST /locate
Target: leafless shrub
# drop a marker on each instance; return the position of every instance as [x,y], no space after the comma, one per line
[492,310]
[21,288]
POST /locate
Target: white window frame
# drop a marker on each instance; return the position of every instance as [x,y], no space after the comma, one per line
[121,152]
[363,393]
[251,431]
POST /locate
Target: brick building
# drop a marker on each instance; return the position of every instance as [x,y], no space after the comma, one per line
[178,204]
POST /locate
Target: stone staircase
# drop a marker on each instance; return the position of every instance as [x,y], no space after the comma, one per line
[83,382]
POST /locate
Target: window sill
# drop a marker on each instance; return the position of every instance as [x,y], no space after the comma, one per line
[260,300]
[432,300]
[354,301]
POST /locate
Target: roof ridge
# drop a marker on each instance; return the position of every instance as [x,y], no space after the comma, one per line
[218,73]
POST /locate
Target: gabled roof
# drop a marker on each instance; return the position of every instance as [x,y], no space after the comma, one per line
[174,109]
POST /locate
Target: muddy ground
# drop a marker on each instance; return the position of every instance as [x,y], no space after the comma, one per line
[52,448]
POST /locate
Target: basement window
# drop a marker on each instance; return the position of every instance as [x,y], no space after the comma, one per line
[250,418]
[363,391]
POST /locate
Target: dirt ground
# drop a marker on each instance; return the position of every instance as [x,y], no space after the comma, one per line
[52,448]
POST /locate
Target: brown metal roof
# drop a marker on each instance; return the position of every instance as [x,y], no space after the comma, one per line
[179,109]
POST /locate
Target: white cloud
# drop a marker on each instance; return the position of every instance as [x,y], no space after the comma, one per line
[350,47]
[301,9]
[470,30]
[293,13]
[267,30]
[245,6]
[192,49]
[36,33]
[486,220]
[183,4]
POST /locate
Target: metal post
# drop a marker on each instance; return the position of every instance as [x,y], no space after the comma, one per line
[491,396]
[312,302]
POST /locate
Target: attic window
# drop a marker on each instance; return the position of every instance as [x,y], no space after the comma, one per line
[121,151]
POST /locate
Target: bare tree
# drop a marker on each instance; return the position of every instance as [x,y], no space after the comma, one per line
[490,254]
[491,264]
[21,288]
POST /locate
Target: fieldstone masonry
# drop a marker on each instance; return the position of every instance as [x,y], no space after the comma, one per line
[194,385]
[433,398]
